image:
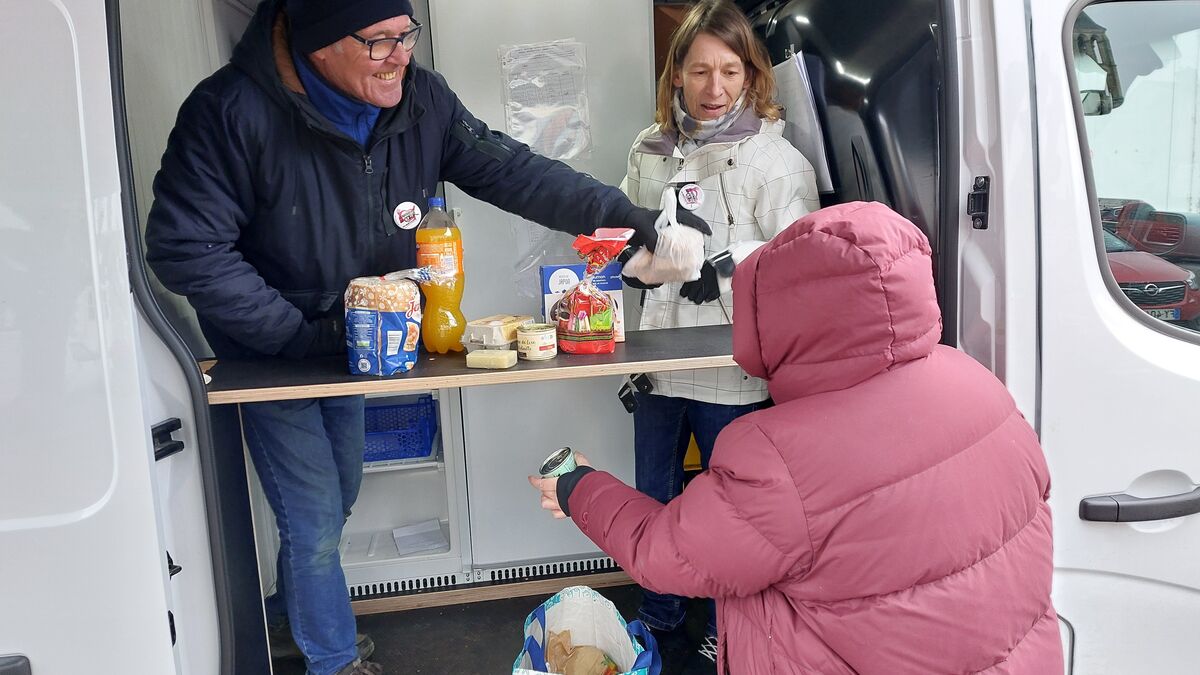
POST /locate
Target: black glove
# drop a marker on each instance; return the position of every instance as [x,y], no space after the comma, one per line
[633,282]
[641,221]
[705,289]
[320,337]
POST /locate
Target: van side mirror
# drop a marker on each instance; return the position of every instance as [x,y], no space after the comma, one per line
[1096,102]
[1095,70]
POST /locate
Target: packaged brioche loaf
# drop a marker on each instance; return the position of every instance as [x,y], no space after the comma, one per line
[383,324]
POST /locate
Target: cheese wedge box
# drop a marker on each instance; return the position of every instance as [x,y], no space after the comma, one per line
[558,279]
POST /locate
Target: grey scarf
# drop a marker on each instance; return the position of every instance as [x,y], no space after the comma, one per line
[694,133]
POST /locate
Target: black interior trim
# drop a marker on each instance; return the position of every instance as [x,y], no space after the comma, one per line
[950,141]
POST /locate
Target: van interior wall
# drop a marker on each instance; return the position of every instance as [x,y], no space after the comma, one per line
[168,47]
[874,66]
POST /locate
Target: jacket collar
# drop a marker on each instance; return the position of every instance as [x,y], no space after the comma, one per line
[665,143]
[353,117]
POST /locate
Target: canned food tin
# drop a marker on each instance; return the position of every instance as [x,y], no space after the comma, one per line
[537,341]
[561,461]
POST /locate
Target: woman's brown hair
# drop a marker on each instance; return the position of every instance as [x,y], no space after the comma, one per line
[724,21]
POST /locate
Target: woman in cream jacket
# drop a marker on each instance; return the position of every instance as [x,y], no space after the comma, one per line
[718,142]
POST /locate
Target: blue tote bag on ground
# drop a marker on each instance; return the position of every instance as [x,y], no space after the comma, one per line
[592,620]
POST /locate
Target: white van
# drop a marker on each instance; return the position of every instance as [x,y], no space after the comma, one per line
[1049,148]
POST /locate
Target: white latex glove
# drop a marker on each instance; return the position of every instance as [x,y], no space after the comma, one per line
[679,254]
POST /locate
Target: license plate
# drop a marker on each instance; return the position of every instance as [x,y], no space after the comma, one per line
[1164,314]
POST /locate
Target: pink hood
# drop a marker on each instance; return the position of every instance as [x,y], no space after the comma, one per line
[855,298]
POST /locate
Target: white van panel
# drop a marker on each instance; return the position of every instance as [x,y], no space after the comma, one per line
[182,519]
[54,308]
[86,593]
[1114,386]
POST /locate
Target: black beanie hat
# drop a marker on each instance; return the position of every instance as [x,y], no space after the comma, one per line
[317,23]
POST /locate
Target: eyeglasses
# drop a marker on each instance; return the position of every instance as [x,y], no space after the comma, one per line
[381,48]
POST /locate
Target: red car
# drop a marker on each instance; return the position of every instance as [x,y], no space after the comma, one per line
[1161,289]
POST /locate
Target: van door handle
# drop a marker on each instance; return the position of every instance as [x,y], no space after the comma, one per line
[1123,508]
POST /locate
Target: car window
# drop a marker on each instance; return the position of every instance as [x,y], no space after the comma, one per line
[1115,244]
[1137,67]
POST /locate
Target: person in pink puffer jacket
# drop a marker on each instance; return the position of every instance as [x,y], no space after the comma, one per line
[888,515]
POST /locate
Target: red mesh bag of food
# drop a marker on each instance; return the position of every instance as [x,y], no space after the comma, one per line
[584,315]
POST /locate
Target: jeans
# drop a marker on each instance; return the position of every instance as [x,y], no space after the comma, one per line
[308,455]
[662,427]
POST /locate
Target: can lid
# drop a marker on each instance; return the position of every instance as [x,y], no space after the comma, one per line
[555,460]
[536,327]
[437,203]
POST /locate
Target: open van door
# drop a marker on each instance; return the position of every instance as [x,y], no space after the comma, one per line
[83,576]
[1116,88]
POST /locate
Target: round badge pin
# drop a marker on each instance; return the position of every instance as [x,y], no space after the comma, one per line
[691,196]
[406,215]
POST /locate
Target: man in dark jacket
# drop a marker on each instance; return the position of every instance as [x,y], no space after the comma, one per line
[300,165]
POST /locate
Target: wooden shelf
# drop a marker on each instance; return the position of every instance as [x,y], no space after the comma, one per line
[643,351]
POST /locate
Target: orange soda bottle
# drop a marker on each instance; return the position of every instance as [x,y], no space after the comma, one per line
[439,246]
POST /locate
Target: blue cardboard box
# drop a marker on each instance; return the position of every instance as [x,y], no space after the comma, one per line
[558,279]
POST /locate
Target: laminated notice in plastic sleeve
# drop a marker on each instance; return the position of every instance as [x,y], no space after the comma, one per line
[536,246]
[545,97]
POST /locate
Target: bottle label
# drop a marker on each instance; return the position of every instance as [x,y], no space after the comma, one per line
[445,257]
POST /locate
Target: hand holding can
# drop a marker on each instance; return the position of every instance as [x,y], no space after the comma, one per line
[559,462]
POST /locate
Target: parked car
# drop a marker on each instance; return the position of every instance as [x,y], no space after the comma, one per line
[1160,288]
[1167,234]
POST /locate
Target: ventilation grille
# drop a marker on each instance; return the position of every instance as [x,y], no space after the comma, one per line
[514,573]
[527,572]
[1154,295]
[403,586]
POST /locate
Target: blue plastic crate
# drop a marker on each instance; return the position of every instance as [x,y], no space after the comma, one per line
[401,432]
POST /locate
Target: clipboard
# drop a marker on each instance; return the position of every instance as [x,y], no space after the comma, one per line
[802,126]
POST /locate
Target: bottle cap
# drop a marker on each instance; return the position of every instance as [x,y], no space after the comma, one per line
[437,203]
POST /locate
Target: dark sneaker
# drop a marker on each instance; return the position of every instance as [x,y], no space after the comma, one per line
[703,661]
[360,667]
[283,645]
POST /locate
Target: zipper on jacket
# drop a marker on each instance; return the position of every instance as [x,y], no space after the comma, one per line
[372,209]
[728,237]
[725,199]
